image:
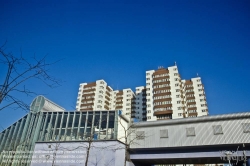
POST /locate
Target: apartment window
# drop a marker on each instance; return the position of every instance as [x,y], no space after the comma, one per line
[148,84]
[148,105]
[199,90]
[176,84]
[148,111]
[101,82]
[203,110]
[175,74]
[101,91]
[177,96]
[179,114]
[178,102]
[179,108]
[128,104]
[176,79]
[148,78]
[148,99]
[203,105]
[198,80]
[148,74]
[175,69]
[128,95]
[128,90]
[149,117]
[99,101]
[177,90]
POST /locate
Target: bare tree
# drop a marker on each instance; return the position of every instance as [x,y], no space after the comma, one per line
[92,155]
[130,137]
[19,70]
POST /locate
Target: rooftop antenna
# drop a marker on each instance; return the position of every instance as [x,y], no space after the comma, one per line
[175,63]
[197,75]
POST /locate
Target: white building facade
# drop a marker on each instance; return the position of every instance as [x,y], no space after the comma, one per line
[94,96]
[165,96]
[98,96]
[169,97]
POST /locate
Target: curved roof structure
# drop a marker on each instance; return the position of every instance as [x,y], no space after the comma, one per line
[40,103]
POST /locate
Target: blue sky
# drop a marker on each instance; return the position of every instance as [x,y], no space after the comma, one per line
[119,40]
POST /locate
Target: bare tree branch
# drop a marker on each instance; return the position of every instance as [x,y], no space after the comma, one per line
[19,70]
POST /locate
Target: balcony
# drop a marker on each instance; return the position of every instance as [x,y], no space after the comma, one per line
[164,112]
[162,94]
[119,93]
[162,88]
[89,99]
[90,85]
[119,102]
[193,114]
[119,98]
[191,103]
[161,100]
[161,83]
[106,102]
[106,107]
[189,88]
[163,106]
[192,108]
[189,93]
[106,97]
[88,94]
[118,107]
[190,98]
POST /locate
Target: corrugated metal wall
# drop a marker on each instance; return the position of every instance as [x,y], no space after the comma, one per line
[204,133]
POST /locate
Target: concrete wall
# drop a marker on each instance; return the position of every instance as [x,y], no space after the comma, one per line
[110,153]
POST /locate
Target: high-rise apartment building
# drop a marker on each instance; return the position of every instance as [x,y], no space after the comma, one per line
[165,96]
[94,96]
[98,96]
[123,100]
[169,97]
[140,101]
[194,98]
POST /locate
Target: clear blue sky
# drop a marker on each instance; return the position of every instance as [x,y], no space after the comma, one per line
[119,40]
